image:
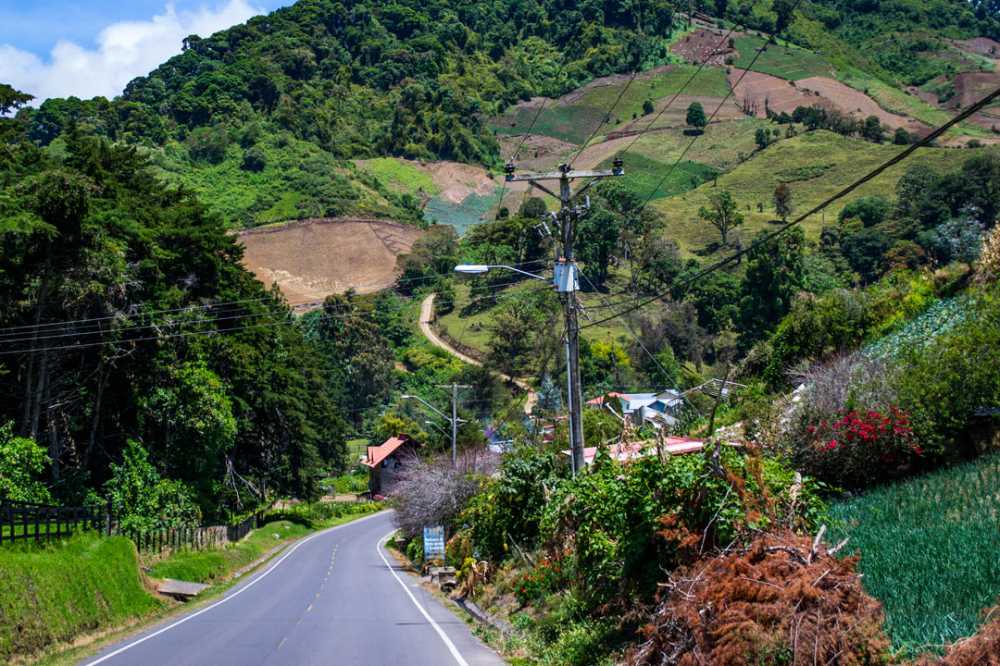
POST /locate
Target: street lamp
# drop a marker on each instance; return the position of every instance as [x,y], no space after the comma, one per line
[438,426]
[454,421]
[480,269]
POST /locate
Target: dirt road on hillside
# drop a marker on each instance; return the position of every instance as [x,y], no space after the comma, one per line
[427,316]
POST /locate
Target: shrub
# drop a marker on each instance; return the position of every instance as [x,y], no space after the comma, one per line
[510,505]
[22,463]
[627,521]
[144,499]
[551,574]
[254,159]
[433,493]
[861,447]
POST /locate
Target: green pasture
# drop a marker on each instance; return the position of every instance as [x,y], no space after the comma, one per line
[576,121]
[785,61]
[836,161]
[400,176]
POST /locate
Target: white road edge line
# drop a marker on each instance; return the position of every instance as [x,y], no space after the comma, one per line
[444,637]
[272,567]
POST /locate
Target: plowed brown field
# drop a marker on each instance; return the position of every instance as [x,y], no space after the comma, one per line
[312,259]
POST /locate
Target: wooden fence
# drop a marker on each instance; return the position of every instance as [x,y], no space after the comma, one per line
[161,541]
[28,520]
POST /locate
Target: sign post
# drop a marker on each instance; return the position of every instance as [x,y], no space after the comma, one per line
[434,545]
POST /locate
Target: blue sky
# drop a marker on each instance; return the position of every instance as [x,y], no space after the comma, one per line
[58,48]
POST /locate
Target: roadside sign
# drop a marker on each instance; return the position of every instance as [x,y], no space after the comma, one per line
[434,544]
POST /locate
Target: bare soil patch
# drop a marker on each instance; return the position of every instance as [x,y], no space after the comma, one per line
[457,181]
[758,92]
[972,87]
[703,47]
[979,46]
[854,101]
[755,92]
[538,152]
[312,259]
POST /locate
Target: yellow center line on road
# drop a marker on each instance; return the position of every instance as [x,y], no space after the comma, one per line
[281,643]
[310,608]
[317,595]
[298,623]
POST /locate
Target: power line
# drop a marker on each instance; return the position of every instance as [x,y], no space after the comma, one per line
[621,94]
[628,328]
[736,23]
[839,195]
[243,328]
[94,322]
[725,99]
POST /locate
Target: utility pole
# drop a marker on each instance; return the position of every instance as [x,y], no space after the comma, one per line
[566,280]
[454,418]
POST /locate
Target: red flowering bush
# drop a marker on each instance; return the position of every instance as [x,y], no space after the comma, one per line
[860,447]
[549,575]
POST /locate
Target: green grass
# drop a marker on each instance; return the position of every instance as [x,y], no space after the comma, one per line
[212,566]
[55,592]
[752,182]
[719,147]
[656,180]
[473,330]
[576,121]
[929,551]
[357,447]
[789,63]
[400,176]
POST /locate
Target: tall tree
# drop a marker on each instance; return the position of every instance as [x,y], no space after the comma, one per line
[722,213]
[774,274]
[782,199]
[696,117]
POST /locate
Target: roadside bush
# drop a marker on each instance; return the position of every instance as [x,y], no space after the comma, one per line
[859,448]
[627,521]
[551,574]
[145,500]
[22,463]
[510,506]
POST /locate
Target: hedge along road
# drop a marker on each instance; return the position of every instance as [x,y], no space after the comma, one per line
[337,597]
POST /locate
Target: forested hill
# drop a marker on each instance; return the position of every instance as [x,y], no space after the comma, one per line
[262,119]
[315,84]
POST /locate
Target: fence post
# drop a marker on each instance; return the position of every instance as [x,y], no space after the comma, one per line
[107,531]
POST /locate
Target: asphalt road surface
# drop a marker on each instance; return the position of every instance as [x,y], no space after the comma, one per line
[337,597]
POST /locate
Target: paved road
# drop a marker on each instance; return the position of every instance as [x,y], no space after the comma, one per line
[427,316]
[337,597]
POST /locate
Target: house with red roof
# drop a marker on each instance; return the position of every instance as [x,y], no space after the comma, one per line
[385,462]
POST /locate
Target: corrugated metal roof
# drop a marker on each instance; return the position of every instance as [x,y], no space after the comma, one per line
[376,454]
[672,445]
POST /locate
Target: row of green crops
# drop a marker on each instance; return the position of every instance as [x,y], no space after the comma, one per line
[930,551]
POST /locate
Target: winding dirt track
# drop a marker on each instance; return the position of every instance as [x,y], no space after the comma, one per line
[427,315]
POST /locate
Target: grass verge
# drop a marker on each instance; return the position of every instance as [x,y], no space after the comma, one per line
[86,592]
[929,551]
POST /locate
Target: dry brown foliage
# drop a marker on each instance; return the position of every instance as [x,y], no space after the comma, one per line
[785,600]
[988,270]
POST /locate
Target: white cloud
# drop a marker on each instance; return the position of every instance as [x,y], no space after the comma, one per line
[124,51]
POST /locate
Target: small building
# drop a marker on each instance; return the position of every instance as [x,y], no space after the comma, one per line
[385,462]
[659,409]
[673,446]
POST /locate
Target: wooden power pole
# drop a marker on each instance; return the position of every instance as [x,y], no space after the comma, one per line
[566,280]
[454,417]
